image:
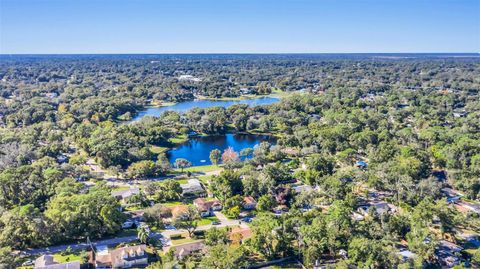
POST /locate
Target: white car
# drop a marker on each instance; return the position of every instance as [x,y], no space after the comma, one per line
[127,225]
[28,263]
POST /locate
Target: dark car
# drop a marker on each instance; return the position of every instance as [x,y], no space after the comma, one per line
[247,220]
[215,223]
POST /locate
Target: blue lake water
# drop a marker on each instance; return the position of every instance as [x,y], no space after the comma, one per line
[197,149]
[184,106]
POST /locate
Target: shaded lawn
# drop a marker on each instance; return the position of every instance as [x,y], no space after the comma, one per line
[202,168]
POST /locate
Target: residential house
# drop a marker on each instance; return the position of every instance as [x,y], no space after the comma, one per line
[280,209]
[193,188]
[449,192]
[406,254]
[246,91]
[178,211]
[290,151]
[184,250]
[302,188]
[471,239]
[239,234]
[48,262]
[464,206]
[377,207]
[448,253]
[125,257]
[125,194]
[249,203]
[357,217]
[205,207]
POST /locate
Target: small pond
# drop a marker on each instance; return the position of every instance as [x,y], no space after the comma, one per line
[197,149]
[185,106]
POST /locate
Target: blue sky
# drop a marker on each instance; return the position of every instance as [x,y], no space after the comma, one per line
[238,26]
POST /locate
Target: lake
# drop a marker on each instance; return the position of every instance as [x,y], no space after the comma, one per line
[197,149]
[185,106]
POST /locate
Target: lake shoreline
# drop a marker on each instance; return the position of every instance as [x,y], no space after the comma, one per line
[198,148]
[181,107]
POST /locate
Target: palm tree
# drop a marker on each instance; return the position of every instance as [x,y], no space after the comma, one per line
[143,235]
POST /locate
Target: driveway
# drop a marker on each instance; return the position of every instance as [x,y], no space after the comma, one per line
[224,222]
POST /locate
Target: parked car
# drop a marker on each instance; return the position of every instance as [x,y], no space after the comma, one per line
[247,220]
[170,227]
[28,263]
[128,225]
[215,222]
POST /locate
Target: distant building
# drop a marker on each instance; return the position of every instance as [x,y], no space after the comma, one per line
[406,254]
[246,91]
[189,78]
[451,194]
[302,188]
[249,203]
[47,262]
[126,257]
[280,209]
[447,253]
[192,188]
[467,206]
[125,194]
[377,207]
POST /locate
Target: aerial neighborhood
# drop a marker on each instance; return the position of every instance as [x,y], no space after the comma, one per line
[253,161]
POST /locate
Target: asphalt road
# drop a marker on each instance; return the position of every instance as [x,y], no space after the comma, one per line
[224,221]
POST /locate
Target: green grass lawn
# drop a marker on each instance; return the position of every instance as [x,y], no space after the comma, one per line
[182,181]
[206,221]
[126,232]
[160,104]
[183,239]
[173,203]
[204,179]
[202,168]
[168,104]
[120,188]
[158,150]
[67,258]
[179,139]
[471,251]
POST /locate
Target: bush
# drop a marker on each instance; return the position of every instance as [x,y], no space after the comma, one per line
[176,237]
[199,233]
